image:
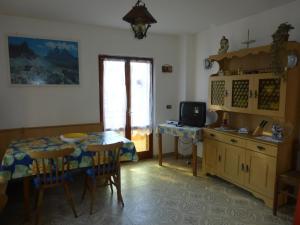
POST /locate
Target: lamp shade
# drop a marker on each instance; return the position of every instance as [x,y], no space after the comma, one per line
[140,19]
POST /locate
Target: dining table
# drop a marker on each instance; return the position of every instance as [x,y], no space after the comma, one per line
[17,164]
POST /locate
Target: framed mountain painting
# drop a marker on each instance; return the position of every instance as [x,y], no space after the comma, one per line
[35,61]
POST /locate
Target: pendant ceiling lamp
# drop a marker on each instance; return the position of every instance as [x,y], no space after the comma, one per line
[140,19]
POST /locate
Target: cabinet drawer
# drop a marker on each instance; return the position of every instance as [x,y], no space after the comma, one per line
[214,135]
[234,140]
[225,138]
[262,148]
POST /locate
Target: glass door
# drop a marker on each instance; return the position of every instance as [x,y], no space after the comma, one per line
[269,95]
[126,99]
[114,96]
[241,93]
[218,93]
[141,105]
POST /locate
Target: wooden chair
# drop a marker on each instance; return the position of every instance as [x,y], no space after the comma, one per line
[106,164]
[52,174]
[3,196]
[288,179]
[297,211]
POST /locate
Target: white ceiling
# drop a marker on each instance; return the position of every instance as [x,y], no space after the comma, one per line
[173,16]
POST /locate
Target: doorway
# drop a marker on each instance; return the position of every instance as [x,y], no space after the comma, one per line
[126,95]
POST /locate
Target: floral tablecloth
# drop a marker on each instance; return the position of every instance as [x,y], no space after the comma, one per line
[185,131]
[17,163]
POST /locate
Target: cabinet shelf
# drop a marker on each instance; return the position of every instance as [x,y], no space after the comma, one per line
[260,94]
[291,45]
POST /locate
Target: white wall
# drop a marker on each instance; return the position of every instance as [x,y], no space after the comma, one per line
[261,26]
[42,106]
[187,63]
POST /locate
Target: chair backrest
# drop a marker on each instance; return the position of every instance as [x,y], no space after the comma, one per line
[51,165]
[106,158]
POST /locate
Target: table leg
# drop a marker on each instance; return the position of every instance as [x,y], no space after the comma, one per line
[160,149]
[26,189]
[176,146]
[194,160]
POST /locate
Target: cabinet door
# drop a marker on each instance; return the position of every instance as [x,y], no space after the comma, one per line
[269,95]
[210,156]
[234,164]
[240,93]
[260,173]
[218,93]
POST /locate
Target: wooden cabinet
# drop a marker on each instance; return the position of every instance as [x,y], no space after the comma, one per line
[261,94]
[260,173]
[249,93]
[249,164]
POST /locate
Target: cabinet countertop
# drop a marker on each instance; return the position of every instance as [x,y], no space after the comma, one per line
[244,136]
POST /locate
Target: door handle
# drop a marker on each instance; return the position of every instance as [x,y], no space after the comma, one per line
[261,148]
[250,94]
[243,167]
[226,93]
[247,168]
[220,158]
[233,141]
[255,94]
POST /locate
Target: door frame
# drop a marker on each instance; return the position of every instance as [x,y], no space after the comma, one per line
[127,59]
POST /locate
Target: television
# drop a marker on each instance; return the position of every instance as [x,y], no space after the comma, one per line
[192,113]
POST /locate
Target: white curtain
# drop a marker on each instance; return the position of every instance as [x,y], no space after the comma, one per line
[115,102]
[140,97]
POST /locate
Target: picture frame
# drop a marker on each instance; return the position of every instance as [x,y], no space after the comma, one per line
[167,68]
[36,61]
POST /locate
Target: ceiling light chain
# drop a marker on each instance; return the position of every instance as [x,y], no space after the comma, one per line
[139,2]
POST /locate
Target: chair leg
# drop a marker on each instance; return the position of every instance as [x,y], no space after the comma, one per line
[111,186]
[85,187]
[92,189]
[38,205]
[275,201]
[69,198]
[117,180]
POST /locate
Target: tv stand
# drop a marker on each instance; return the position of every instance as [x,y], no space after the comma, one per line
[185,131]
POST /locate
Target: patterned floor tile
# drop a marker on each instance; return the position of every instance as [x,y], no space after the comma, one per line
[153,195]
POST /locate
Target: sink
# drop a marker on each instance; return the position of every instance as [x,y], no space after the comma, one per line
[268,138]
[224,129]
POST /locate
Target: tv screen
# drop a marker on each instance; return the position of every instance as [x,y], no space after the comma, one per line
[192,114]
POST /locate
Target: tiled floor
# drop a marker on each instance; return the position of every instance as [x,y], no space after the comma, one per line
[153,195]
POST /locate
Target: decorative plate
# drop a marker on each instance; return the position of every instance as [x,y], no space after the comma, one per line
[292,61]
[73,137]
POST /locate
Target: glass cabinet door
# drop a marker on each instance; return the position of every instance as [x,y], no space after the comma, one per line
[218,93]
[269,95]
[241,93]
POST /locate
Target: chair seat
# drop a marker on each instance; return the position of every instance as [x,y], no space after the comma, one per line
[103,169]
[38,181]
[291,178]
